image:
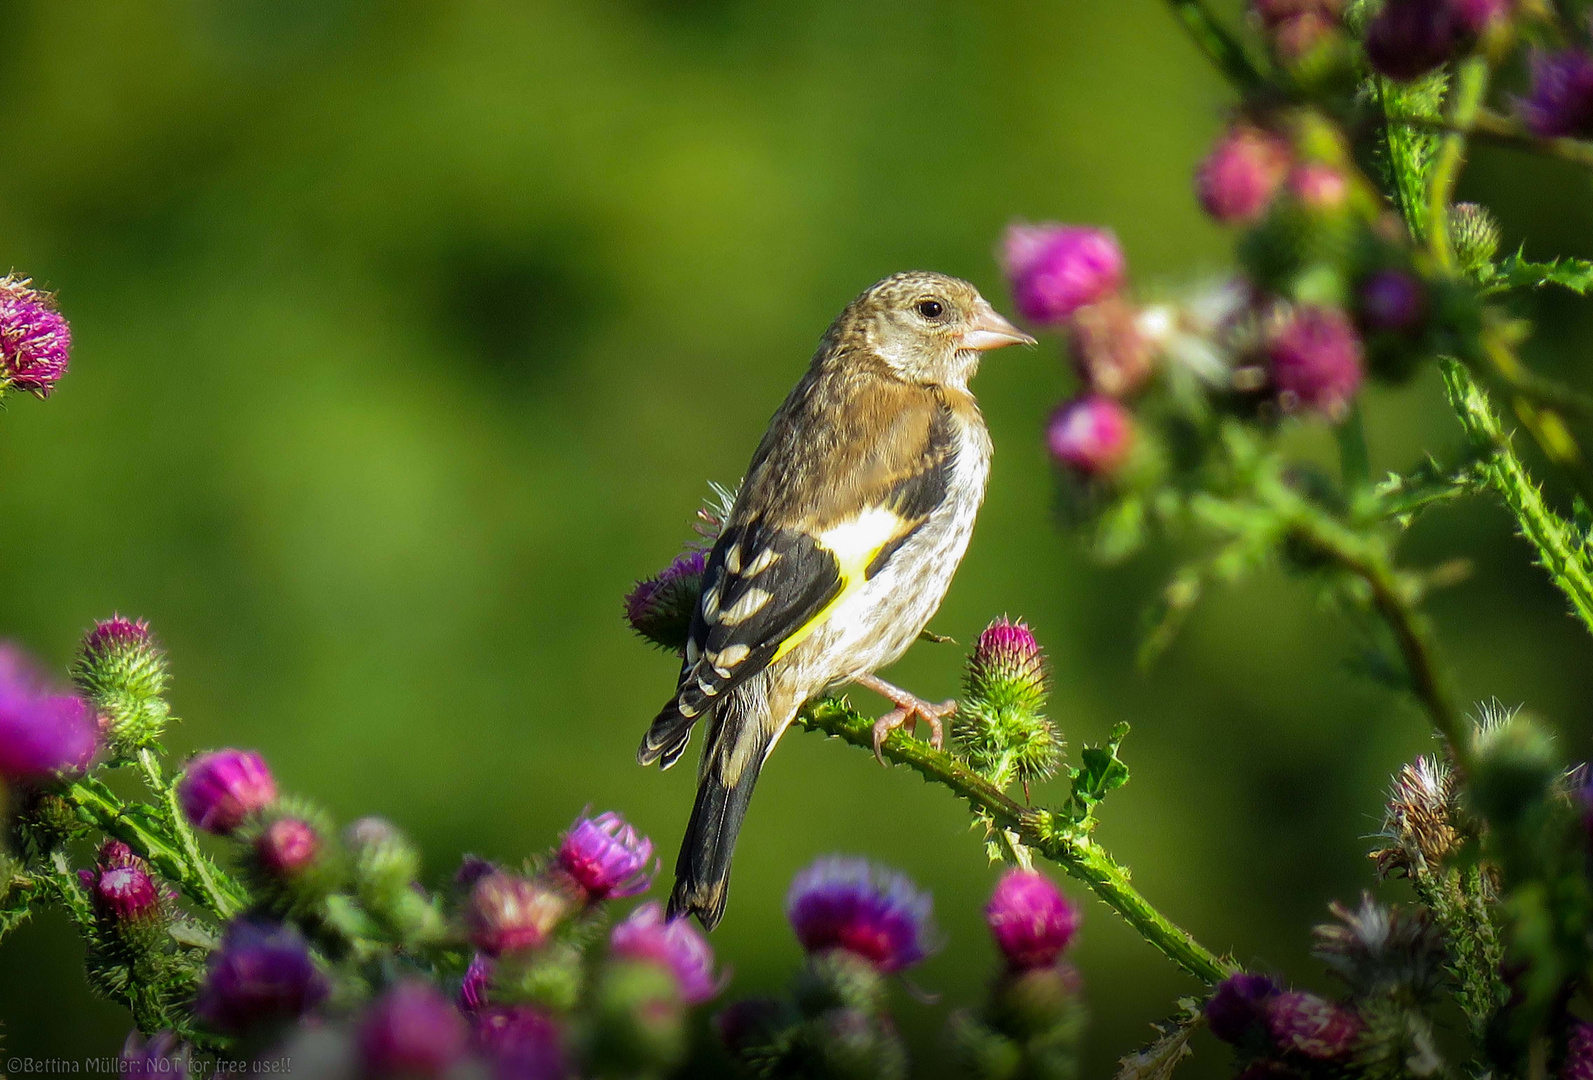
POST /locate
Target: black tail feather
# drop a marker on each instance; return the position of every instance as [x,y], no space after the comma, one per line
[667,736]
[702,873]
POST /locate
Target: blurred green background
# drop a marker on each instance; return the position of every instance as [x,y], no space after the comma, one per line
[409,334]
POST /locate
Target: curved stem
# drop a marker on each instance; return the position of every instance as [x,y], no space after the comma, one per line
[1053,836]
[1220,47]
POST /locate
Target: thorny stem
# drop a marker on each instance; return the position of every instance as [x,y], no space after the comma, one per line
[1051,835]
[1471,83]
[1561,551]
[1489,126]
[1220,47]
[186,841]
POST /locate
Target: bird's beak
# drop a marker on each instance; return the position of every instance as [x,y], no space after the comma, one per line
[990,331]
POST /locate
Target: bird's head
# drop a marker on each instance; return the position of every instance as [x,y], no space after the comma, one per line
[927,327]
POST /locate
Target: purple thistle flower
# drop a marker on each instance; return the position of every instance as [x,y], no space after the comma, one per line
[117,633]
[220,790]
[122,886]
[1393,300]
[1310,1025]
[673,943]
[607,858]
[476,985]
[506,912]
[660,608]
[1092,435]
[1239,177]
[1030,919]
[521,1043]
[1315,358]
[41,737]
[1578,1061]
[1007,665]
[411,1030]
[1238,1006]
[162,1054]
[35,341]
[261,973]
[1560,104]
[847,903]
[1056,269]
[1408,38]
[287,846]
[472,868]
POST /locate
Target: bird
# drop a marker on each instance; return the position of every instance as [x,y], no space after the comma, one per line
[840,544]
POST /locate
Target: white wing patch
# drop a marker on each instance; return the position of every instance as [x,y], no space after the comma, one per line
[752,601]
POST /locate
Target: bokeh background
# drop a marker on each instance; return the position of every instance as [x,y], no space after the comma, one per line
[409,334]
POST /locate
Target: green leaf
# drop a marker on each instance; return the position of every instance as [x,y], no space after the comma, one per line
[16,903]
[1157,1059]
[1101,771]
[1518,273]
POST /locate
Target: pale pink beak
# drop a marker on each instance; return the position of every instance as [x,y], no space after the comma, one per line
[990,331]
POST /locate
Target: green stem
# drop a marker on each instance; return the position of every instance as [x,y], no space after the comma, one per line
[1562,551]
[1220,47]
[1491,127]
[143,829]
[1355,461]
[1471,84]
[204,871]
[1040,830]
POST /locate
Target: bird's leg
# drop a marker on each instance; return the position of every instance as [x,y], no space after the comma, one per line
[909,710]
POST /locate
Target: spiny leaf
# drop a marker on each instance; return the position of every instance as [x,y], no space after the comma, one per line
[1101,772]
[1157,1059]
[1516,272]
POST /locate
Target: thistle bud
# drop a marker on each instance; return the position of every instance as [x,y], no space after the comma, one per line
[1315,361]
[506,913]
[1517,769]
[1093,436]
[1239,177]
[1113,355]
[123,890]
[288,846]
[521,1043]
[674,944]
[1393,301]
[1236,1010]
[1560,103]
[1054,270]
[640,1019]
[1041,1004]
[880,915]
[411,1031]
[262,973]
[854,1045]
[1409,38]
[122,673]
[607,858]
[221,790]
[1030,919]
[1305,1024]
[1383,950]
[1474,234]
[35,341]
[1000,726]
[661,608]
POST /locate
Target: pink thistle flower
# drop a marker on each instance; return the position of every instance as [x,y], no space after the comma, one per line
[1239,177]
[1092,435]
[1056,269]
[842,903]
[221,790]
[607,857]
[673,943]
[35,341]
[1030,919]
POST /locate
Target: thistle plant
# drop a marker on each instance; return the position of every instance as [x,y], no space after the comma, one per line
[1354,267]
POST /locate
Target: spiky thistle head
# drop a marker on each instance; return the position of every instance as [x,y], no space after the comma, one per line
[35,340]
[1474,234]
[1000,726]
[1383,949]
[660,608]
[121,671]
[1418,821]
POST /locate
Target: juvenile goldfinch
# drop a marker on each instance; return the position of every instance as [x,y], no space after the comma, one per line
[853,516]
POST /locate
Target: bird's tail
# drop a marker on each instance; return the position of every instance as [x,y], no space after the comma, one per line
[666,736]
[731,763]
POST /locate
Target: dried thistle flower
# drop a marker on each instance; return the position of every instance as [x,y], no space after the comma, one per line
[1418,821]
[1378,949]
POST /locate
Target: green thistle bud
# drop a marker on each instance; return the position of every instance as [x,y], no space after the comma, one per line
[1474,235]
[1039,1004]
[290,857]
[1517,769]
[850,1044]
[999,726]
[122,673]
[639,1027]
[838,979]
[982,1052]
[385,866]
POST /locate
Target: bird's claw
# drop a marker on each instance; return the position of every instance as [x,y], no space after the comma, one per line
[908,715]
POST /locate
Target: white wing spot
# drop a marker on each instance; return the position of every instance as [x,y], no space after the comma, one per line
[710,605]
[733,559]
[729,657]
[765,559]
[745,608]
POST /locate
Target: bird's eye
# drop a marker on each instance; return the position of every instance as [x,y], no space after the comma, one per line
[930,309]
